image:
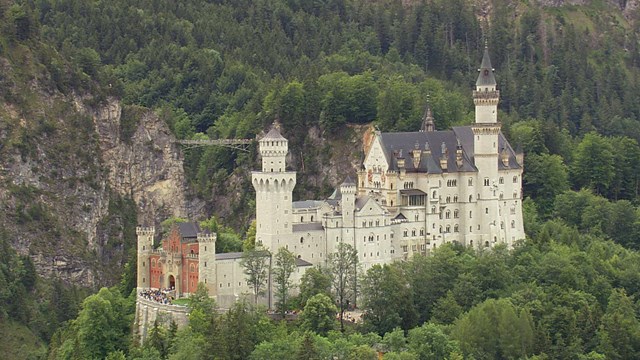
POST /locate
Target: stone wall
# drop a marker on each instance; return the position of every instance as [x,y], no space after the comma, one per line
[147,311]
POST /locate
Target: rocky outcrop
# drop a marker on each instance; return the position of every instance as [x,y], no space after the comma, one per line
[64,172]
[147,167]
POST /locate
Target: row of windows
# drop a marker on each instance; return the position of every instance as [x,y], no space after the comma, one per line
[413,232]
[364,223]
[456,228]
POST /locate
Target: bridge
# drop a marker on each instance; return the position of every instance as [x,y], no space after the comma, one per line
[236,144]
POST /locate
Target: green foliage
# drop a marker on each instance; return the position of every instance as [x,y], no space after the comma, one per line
[592,165]
[255,264]
[495,329]
[227,240]
[284,262]
[387,299]
[103,326]
[343,267]
[319,314]
[429,341]
[315,280]
[249,242]
[620,331]
[129,120]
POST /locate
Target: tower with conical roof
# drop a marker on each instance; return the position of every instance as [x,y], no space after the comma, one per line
[274,187]
[486,132]
[486,96]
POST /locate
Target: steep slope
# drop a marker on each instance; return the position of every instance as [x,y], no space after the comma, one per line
[73,181]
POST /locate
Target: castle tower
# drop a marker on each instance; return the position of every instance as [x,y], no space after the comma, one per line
[348,190]
[486,96]
[207,262]
[486,131]
[274,187]
[145,246]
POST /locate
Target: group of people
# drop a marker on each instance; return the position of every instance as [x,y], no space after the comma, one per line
[160,295]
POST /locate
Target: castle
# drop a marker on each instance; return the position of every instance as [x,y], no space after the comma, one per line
[414,192]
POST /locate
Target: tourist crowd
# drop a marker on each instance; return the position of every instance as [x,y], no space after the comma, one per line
[159,295]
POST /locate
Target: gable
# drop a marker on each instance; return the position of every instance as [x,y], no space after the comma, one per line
[376,158]
[368,207]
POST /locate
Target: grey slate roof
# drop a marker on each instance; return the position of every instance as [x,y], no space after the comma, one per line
[412,192]
[300,262]
[360,201]
[227,256]
[405,142]
[189,229]
[349,181]
[465,134]
[307,227]
[306,204]
[400,217]
[486,76]
[274,134]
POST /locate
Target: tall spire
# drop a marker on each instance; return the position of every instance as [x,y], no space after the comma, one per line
[486,77]
[427,119]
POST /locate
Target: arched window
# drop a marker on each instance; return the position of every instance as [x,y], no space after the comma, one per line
[501,180]
[311,218]
[515,179]
[448,199]
[470,198]
[513,224]
[302,240]
[456,228]
[456,214]
[455,198]
[470,181]
[448,214]
[433,209]
[301,218]
[448,228]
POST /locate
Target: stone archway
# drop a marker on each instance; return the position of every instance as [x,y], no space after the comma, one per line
[172,282]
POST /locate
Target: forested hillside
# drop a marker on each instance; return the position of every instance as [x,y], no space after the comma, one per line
[82,82]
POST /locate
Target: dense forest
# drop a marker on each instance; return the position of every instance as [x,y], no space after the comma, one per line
[568,78]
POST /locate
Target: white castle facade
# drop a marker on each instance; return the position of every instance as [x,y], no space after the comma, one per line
[415,192]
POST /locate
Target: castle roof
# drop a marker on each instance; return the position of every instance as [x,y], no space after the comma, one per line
[433,145]
[300,262]
[273,134]
[486,76]
[348,182]
[229,256]
[307,227]
[189,229]
[306,204]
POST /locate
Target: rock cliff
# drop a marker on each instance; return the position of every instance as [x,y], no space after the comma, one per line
[71,186]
